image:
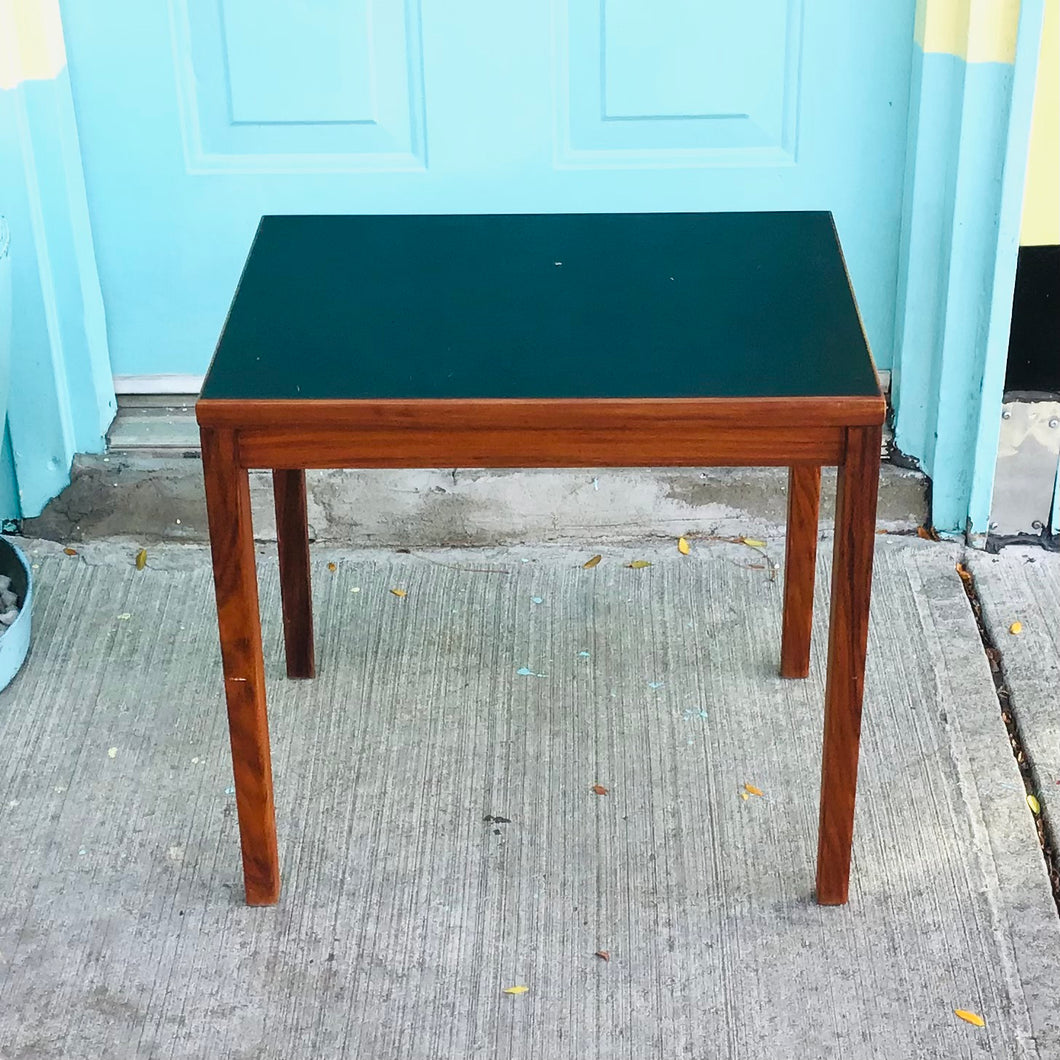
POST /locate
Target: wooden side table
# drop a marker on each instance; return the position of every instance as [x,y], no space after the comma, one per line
[570,340]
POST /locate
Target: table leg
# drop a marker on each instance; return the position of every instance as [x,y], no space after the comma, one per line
[238,619]
[804,494]
[292,536]
[848,631]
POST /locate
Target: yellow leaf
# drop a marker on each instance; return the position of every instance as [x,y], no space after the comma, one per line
[141,559]
[70,551]
[639,564]
[683,546]
[1016,627]
[753,542]
[969,1017]
[752,790]
[1034,804]
[516,989]
[744,796]
[592,562]
[332,567]
[399,592]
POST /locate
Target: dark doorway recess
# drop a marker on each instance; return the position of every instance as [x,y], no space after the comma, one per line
[1034,343]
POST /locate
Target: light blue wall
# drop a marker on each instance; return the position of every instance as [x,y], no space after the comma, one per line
[9,506]
[10,509]
[1054,512]
[62,399]
[197,116]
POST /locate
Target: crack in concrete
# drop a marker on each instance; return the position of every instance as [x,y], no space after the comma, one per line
[1047,838]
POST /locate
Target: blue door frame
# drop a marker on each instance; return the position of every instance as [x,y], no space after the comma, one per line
[974,68]
[970,105]
[61,395]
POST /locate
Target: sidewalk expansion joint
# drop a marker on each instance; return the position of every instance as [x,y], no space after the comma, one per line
[1046,832]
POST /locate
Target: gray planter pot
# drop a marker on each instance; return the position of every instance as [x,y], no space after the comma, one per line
[14,642]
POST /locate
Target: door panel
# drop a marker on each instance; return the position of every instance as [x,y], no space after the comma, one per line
[685,75]
[198,116]
[308,67]
[333,84]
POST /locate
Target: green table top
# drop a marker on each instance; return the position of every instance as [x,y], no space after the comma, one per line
[543,306]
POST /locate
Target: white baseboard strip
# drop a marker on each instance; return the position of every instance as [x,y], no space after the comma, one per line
[157,384]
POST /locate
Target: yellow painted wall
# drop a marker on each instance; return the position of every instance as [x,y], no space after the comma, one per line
[1041,198]
[978,31]
[31,41]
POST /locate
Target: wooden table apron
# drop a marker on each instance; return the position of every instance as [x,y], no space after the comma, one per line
[801,433]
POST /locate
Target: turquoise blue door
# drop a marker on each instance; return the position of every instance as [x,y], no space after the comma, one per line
[197,116]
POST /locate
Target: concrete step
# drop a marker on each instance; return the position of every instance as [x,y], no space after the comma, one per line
[153,496]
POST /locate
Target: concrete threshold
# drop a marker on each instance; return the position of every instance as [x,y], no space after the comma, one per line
[157,497]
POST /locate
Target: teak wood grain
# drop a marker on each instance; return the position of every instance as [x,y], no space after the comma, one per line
[543,413]
[292,539]
[239,624]
[800,558]
[848,631]
[617,446]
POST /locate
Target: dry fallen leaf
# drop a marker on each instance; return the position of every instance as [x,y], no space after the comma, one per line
[1034,804]
[70,551]
[603,955]
[599,789]
[752,542]
[639,564]
[1016,627]
[964,572]
[744,796]
[969,1017]
[752,790]
[922,533]
[516,989]
[399,592]
[332,566]
[141,559]
[592,562]
[683,546]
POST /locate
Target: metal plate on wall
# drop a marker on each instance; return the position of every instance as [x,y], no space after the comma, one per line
[1028,452]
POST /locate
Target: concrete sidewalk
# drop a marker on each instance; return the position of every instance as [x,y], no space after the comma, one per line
[406,913]
[1022,584]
